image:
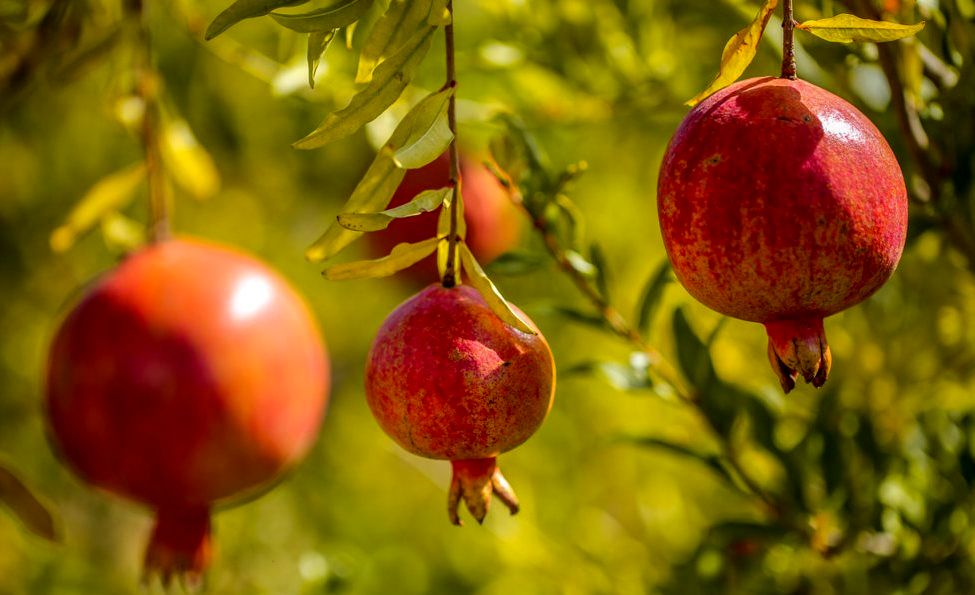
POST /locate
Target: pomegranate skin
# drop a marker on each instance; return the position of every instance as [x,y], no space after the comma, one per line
[447,379]
[781,203]
[492,220]
[188,375]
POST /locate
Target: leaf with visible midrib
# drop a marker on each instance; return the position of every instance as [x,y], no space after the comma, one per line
[480,281]
[847,28]
[738,52]
[389,34]
[426,201]
[377,186]
[245,9]
[318,43]
[402,256]
[341,14]
[388,83]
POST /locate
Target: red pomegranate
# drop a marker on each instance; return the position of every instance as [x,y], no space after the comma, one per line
[447,379]
[492,220]
[781,203]
[189,375]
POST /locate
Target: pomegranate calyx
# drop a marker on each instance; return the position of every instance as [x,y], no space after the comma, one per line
[474,481]
[180,547]
[798,347]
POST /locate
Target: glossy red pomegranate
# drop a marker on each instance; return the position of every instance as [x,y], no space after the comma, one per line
[492,220]
[781,203]
[447,379]
[188,376]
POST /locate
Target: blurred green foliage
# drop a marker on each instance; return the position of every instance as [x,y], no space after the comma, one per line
[624,489]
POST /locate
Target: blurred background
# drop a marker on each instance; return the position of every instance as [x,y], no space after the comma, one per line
[877,468]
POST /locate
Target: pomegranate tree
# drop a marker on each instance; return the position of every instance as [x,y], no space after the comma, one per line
[447,379]
[781,203]
[492,220]
[186,377]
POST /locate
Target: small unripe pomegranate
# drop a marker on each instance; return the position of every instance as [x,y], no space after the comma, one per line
[781,203]
[447,379]
[186,377]
[492,220]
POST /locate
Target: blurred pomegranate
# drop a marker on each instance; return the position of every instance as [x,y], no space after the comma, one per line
[189,375]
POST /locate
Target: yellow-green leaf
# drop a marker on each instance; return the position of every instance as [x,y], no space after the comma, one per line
[186,161]
[439,14]
[110,194]
[245,9]
[28,508]
[426,144]
[402,256]
[739,52]
[426,201]
[847,28]
[479,280]
[391,31]
[318,42]
[340,14]
[122,234]
[389,81]
[377,186]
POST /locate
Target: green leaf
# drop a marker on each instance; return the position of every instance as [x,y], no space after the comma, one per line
[186,161]
[518,262]
[402,20]
[578,316]
[479,281]
[619,376]
[439,14]
[738,52]
[692,353]
[402,256]
[389,81]
[28,508]
[318,43]
[245,9]
[122,234]
[334,16]
[652,294]
[428,145]
[110,194]
[424,202]
[847,28]
[380,181]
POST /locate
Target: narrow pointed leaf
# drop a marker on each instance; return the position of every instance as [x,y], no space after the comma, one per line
[377,186]
[652,293]
[110,194]
[402,20]
[402,256]
[318,43]
[186,161]
[711,460]
[340,14]
[389,81]
[245,9]
[739,52]
[425,145]
[439,15]
[424,202]
[478,280]
[26,506]
[847,28]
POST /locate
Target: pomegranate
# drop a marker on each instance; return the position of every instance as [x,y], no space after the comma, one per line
[781,203]
[189,375]
[447,379]
[492,220]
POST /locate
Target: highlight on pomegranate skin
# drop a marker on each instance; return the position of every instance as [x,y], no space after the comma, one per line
[447,379]
[781,203]
[188,376]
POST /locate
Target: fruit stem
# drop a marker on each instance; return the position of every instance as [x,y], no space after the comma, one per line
[788,41]
[157,227]
[450,270]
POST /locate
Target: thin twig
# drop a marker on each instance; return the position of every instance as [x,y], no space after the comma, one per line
[450,271]
[788,41]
